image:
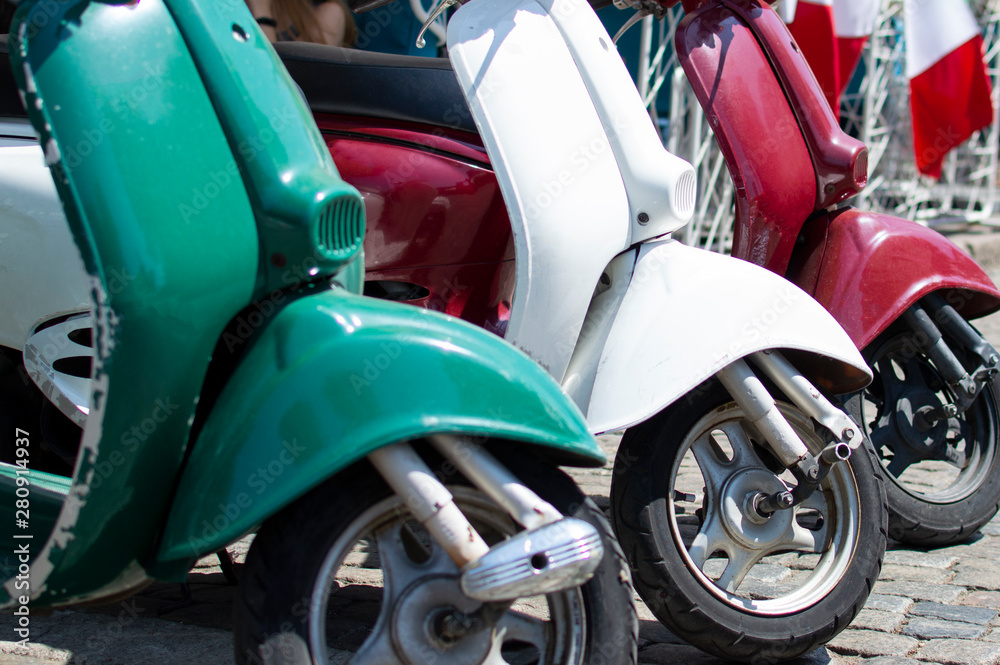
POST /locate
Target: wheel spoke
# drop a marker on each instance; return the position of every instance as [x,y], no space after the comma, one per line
[950,454]
[809,540]
[710,539]
[913,371]
[495,656]
[815,501]
[524,628]
[901,461]
[892,387]
[398,569]
[713,469]
[744,456]
[883,436]
[377,649]
[740,563]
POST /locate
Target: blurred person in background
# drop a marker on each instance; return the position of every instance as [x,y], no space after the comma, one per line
[323,21]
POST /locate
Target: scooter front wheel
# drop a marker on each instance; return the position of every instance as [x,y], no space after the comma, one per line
[943,478]
[720,575]
[346,575]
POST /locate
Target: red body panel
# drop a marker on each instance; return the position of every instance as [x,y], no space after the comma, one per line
[840,162]
[436,217]
[756,131]
[480,293]
[867,268]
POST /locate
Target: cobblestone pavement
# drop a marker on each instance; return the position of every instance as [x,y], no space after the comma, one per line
[935,606]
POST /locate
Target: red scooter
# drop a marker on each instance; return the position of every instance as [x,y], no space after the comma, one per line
[904,293]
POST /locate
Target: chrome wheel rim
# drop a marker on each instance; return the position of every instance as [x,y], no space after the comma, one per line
[419,585]
[771,566]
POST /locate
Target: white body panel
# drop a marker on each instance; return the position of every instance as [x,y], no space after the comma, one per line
[567,203]
[41,272]
[659,184]
[544,124]
[686,314]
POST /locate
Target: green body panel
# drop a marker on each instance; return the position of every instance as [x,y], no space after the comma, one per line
[165,283]
[334,377]
[285,162]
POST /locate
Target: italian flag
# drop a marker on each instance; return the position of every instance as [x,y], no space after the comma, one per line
[831,34]
[950,95]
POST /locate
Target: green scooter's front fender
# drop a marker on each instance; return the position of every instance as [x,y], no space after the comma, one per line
[335,376]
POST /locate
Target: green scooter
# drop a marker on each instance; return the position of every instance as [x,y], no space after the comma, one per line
[240,383]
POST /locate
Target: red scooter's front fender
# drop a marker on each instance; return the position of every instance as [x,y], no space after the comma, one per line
[867,269]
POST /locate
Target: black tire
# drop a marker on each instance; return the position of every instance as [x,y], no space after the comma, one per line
[284,567]
[962,499]
[650,493]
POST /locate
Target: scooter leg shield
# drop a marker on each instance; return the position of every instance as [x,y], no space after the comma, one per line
[664,340]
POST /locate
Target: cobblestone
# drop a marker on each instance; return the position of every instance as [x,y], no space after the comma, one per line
[959,652]
[937,593]
[983,599]
[922,575]
[977,615]
[878,601]
[977,580]
[920,559]
[928,629]
[853,642]
[886,622]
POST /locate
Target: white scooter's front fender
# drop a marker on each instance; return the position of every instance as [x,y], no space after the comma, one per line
[688,313]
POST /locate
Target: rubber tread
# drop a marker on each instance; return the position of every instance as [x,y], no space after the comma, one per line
[664,583]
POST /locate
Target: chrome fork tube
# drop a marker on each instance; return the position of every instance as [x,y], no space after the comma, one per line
[496,481]
[749,392]
[431,503]
[805,395]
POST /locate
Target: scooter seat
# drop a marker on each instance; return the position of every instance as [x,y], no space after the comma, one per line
[380,85]
[10,100]
[342,81]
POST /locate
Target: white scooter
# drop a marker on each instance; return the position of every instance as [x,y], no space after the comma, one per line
[720,473]
[714,478]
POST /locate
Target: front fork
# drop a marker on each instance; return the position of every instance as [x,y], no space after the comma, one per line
[554,553]
[921,318]
[749,392]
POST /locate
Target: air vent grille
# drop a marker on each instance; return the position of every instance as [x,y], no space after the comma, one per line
[684,194]
[861,169]
[341,227]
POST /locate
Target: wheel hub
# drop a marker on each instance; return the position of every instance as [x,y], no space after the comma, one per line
[741,519]
[912,428]
[423,622]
